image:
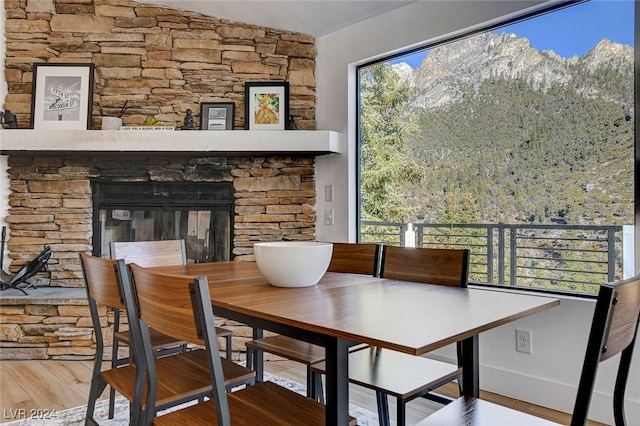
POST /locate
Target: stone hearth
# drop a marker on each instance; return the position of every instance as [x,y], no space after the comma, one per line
[55,323]
[49,323]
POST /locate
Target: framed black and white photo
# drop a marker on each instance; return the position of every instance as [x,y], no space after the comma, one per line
[62,96]
[216,115]
[266,105]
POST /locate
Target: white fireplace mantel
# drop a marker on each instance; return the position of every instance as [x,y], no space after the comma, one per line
[206,142]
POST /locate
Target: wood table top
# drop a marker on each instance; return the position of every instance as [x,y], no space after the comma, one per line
[409,317]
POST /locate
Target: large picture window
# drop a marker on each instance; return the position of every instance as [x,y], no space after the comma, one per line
[516,142]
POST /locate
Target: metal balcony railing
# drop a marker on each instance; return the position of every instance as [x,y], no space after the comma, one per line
[558,258]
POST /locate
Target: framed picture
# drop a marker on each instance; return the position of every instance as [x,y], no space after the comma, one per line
[62,96]
[266,105]
[216,115]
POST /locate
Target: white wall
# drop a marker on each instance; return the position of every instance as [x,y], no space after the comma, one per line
[547,377]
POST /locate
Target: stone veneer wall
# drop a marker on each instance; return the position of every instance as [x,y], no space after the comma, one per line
[162,61]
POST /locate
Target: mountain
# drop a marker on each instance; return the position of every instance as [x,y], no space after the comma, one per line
[522,135]
[476,59]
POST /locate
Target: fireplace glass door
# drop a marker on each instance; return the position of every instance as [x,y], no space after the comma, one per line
[127,212]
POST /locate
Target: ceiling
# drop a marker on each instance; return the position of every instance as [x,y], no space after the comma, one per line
[312,17]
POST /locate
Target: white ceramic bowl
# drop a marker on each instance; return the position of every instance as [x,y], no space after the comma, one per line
[293,263]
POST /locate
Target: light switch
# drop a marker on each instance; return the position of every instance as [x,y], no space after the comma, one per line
[328,193]
[328,217]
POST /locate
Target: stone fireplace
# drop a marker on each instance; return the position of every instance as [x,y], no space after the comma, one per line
[52,202]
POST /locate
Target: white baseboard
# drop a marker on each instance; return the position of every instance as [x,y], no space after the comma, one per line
[552,394]
[548,393]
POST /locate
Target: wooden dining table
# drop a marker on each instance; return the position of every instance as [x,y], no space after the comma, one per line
[345,309]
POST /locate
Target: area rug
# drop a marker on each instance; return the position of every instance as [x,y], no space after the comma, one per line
[75,416]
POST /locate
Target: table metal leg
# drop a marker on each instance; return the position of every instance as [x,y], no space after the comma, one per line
[337,398]
[383,409]
[258,356]
[471,367]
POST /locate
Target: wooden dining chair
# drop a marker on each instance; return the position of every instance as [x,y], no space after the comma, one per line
[180,306]
[403,376]
[346,258]
[361,258]
[147,253]
[101,281]
[150,253]
[614,329]
[426,265]
[179,381]
[157,253]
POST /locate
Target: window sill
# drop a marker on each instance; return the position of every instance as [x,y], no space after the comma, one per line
[536,292]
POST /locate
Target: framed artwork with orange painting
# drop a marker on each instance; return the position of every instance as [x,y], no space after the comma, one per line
[266,105]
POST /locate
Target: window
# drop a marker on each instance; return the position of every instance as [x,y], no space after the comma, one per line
[516,142]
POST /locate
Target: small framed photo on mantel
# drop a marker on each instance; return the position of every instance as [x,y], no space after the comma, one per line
[266,105]
[62,96]
[216,115]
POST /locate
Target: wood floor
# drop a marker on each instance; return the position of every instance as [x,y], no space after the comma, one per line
[58,385]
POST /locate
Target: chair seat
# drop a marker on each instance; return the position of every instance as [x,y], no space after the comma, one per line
[160,341]
[264,403]
[287,347]
[185,374]
[394,373]
[166,345]
[477,412]
[223,332]
[293,349]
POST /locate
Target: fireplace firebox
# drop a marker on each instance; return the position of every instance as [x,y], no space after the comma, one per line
[199,213]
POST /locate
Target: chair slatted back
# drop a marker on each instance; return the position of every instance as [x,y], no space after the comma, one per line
[614,330]
[155,291]
[150,253]
[624,308]
[178,306]
[433,266]
[355,258]
[101,280]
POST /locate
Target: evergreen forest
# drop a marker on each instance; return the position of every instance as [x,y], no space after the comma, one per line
[483,143]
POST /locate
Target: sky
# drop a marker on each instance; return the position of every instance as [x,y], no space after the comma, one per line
[570,31]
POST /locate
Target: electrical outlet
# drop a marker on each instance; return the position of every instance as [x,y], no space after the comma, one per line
[523,341]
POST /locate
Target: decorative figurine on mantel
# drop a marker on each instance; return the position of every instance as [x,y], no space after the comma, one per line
[189,121]
[292,123]
[9,119]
